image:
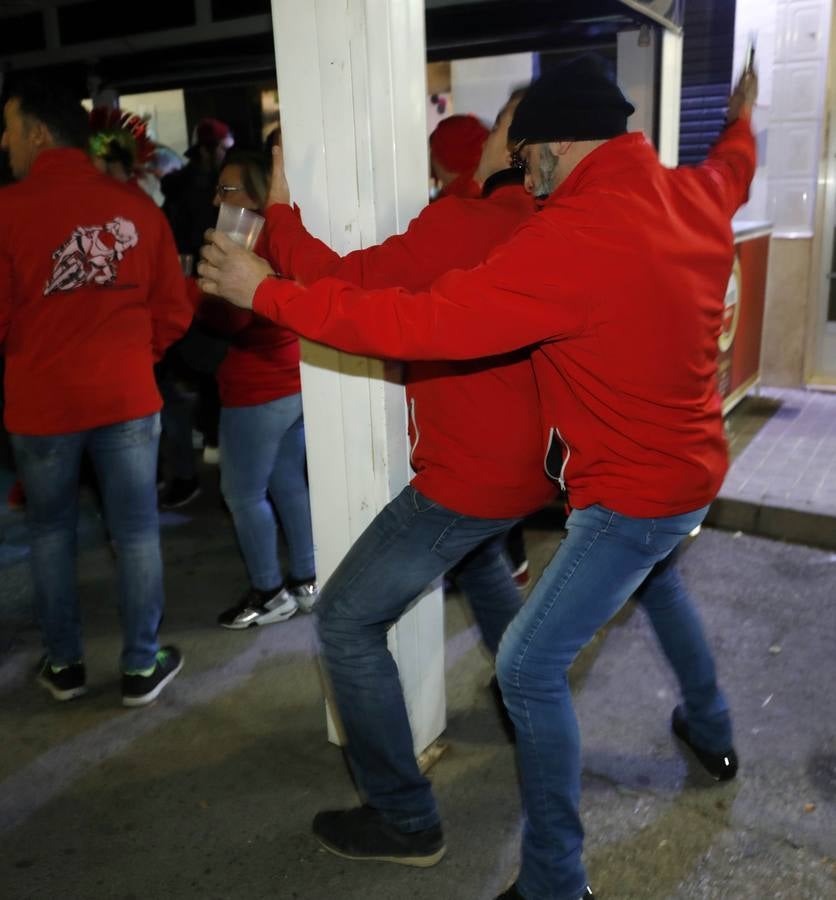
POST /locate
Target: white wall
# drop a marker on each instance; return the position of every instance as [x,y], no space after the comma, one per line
[481,86]
[166,111]
[636,68]
[791,59]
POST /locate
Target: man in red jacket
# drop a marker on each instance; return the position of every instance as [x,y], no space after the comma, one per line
[91,294]
[455,153]
[620,282]
[475,439]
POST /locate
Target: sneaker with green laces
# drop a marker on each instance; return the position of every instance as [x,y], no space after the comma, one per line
[142,688]
[63,682]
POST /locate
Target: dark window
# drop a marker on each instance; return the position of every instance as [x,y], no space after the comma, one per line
[99,20]
[235,9]
[21,34]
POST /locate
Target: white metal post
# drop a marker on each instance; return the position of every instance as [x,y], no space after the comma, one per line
[352,90]
[670,97]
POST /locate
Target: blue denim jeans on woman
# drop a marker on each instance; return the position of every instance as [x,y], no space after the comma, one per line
[124,456]
[605,558]
[409,543]
[263,453]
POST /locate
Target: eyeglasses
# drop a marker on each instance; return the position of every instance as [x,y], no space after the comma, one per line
[221,190]
[517,161]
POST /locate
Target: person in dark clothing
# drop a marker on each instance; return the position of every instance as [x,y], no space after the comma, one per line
[190,191]
[186,376]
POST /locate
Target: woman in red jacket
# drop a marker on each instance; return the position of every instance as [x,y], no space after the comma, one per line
[262,437]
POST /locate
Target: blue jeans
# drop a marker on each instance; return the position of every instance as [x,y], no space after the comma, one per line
[263,452]
[125,459]
[605,558]
[410,542]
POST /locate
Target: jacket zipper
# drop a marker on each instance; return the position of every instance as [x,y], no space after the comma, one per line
[561,480]
[414,430]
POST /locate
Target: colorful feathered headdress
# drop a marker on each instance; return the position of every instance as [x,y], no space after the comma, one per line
[119,136]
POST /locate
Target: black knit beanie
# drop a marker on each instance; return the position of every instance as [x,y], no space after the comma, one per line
[573,102]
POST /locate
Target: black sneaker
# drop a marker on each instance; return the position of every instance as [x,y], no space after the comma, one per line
[65,683]
[513,894]
[720,766]
[180,492]
[140,689]
[362,833]
[259,608]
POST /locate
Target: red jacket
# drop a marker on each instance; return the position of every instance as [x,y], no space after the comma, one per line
[620,281]
[262,362]
[475,426]
[91,294]
[461,186]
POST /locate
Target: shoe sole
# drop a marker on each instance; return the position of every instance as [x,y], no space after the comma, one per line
[271,618]
[179,503]
[58,694]
[420,862]
[151,696]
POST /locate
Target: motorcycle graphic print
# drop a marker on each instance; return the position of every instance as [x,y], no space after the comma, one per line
[91,255]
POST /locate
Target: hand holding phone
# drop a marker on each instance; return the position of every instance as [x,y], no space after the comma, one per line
[749,63]
[745,92]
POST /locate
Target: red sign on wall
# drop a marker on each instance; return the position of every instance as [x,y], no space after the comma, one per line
[740,341]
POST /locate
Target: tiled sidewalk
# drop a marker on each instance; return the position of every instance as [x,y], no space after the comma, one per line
[782,481]
[791,461]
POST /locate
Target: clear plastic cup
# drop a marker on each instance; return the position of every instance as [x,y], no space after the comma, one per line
[242,225]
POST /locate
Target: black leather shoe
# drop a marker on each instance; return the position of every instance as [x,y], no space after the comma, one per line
[720,766]
[363,833]
[513,894]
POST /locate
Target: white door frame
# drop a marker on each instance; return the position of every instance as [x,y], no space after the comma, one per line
[820,349]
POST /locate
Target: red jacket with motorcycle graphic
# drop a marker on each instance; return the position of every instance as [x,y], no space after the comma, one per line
[91,295]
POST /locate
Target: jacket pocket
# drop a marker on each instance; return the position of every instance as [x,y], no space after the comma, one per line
[557,457]
[416,435]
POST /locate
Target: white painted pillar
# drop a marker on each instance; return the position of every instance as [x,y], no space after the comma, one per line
[670,98]
[352,90]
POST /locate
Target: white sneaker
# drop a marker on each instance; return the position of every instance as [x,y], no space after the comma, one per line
[259,608]
[305,595]
[211,455]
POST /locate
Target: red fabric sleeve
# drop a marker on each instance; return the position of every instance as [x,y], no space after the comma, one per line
[430,246]
[731,164]
[171,308]
[508,303]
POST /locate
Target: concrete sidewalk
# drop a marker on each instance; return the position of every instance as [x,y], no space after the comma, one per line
[210,793]
[782,480]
